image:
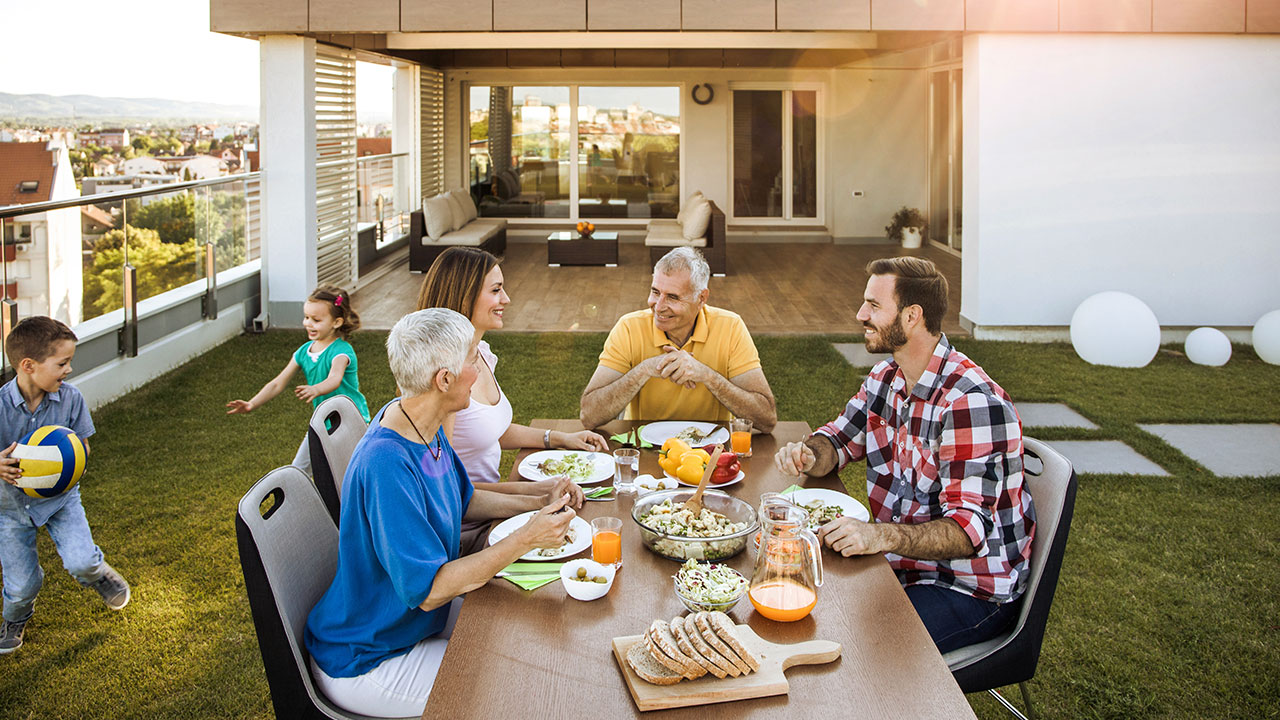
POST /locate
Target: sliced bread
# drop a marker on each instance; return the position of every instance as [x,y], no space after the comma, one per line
[727,631]
[648,669]
[661,635]
[686,647]
[662,658]
[709,634]
[708,652]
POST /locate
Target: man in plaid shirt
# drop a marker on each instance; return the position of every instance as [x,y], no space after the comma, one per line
[943,445]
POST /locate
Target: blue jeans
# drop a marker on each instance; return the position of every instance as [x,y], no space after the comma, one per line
[20,563]
[955,620]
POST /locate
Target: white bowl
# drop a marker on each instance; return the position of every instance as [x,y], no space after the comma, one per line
[579,590]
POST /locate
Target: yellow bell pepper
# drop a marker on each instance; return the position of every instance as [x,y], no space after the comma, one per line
[691,474]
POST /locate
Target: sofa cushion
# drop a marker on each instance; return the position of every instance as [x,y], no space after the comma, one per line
[468,205]
[495,223]
[661,235]
[455,208]
[696,219]
[437,216]
[471,235]
[688,202]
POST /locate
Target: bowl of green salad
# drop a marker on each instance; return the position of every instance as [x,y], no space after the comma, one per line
[708,587]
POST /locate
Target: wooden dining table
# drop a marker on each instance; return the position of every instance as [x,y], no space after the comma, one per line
[542,654]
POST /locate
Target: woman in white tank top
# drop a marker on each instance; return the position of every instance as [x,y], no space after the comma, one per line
[469,281]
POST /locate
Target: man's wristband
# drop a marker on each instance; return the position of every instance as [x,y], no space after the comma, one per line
[546,439]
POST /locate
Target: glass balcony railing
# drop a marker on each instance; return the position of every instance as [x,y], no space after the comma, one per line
[382,196]
[67,258]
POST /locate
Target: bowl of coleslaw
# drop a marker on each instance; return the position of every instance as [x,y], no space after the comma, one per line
[708,587]
[719,532]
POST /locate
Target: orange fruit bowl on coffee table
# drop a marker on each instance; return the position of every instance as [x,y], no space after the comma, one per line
[585,228]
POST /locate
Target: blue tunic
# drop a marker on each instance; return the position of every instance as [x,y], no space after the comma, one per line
[401,521]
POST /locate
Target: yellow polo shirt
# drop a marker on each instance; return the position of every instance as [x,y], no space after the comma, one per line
[720,341]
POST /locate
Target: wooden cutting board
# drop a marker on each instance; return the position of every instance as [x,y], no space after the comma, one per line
[769,680]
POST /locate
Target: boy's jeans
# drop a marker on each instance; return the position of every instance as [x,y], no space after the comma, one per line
[20,563]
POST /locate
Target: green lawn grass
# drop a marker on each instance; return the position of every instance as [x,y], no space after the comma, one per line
[1166,606]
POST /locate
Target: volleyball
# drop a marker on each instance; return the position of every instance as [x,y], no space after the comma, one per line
[52,459]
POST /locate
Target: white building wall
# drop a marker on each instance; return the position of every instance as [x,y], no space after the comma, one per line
[1148,164]
[877,146]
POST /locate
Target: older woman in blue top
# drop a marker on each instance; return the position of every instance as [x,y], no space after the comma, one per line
[377,635]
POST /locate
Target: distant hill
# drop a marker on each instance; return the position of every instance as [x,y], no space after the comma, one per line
[90,108]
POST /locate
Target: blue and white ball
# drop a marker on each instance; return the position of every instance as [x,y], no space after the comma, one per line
[52,459]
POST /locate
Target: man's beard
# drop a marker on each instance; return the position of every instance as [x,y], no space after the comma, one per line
[887,339]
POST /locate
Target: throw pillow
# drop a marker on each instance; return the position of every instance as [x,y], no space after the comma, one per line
[438,216]
[455,208]
[688,203]
[696,220]
[469,211]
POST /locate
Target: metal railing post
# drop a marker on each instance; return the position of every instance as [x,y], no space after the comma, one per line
[129,333]
[209,306]
[8,312]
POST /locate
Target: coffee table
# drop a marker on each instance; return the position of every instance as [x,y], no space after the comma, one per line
[567,247]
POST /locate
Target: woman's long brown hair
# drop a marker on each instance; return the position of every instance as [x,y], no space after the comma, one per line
[455,279]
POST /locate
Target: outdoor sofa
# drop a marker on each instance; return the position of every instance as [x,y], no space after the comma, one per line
[700,224]
[447,220]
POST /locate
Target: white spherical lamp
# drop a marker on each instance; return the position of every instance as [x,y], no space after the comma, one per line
[1266,337]
[1208,346]
[1116,329]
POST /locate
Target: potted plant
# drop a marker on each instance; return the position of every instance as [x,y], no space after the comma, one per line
[907,225]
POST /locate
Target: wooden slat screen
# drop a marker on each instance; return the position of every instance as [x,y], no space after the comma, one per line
[335,165]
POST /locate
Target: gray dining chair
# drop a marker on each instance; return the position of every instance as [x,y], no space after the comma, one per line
[288,553]
[1011,658]
[335,430]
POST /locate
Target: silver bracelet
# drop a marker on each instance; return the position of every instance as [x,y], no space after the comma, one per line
[546,439]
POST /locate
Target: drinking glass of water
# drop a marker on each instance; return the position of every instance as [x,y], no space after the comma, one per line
[626,465]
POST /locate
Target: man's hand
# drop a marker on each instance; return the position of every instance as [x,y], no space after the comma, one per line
[9,470]
[850,537]
[306,392]
[584,440]
[794,458]
[239,407]
[549,526]
[559,487]
[682,368]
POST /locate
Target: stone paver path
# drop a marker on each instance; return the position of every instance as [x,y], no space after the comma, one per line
[1106,457]
[856,354]
[1052,415]
[1239,450]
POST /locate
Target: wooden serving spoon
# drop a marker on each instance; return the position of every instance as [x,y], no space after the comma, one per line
[694,504]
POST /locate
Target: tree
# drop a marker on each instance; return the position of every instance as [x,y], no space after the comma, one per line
[142,143]
[161,266]
[173,218]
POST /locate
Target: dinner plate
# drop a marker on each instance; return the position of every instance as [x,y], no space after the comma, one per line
[659,432]
[579,527]
[848,505]
[710,485]
[602,465]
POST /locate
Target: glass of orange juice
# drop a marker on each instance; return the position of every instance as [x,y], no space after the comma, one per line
[740,436]
[606,541]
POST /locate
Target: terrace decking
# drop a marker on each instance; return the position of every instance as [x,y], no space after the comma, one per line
[777,288]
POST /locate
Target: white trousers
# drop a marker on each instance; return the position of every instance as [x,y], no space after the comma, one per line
[302,459]
[399,686]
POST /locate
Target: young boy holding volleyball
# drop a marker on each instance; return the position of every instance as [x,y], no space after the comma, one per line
[40,350]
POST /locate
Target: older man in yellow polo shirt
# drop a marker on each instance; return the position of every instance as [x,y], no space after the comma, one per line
[681,359]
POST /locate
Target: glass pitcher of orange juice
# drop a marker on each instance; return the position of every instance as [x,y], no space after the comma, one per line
[788,572]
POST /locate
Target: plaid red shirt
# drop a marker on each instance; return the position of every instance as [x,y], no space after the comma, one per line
[950,449]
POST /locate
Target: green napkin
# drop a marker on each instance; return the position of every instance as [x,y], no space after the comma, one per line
[532,582]
[600,492]
[643,443]
[533,568]
[790,490]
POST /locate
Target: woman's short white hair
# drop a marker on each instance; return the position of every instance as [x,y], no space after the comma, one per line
[686,259]
[423,342]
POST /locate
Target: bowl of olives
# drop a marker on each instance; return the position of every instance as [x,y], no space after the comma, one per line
[586,579]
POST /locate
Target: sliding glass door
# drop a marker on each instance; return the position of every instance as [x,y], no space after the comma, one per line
[945,155]
[575,151]
[775,154]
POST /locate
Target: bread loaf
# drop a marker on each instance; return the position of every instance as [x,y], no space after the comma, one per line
[727,631]
[648,669]
[686,646]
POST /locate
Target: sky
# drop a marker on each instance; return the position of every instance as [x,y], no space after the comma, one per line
[140,48]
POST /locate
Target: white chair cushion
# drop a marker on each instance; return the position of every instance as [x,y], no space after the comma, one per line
[688,202]
[469,204]
[696,220]
[456,210]
[670,236]
[495,223]
[437,216]
[472,235]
